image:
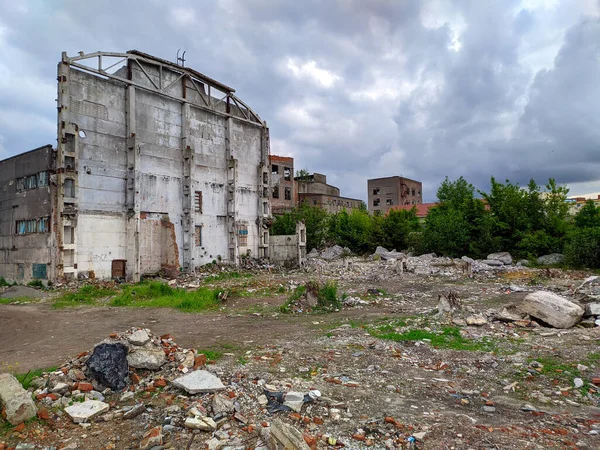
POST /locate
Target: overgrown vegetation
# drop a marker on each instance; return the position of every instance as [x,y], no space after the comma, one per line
[154,294]
[86,295]
[223,276]
[4,283]
[326,295]
[526,221]
[26,378]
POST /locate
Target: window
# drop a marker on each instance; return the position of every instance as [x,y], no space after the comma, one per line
[389,201]
[198,201]
[287,174]
[198,236]
[69,187]
[377,212]
[376,191]
[314,201]
[29,226]
[413,192]
[376,202]
[419,192]
[276,192]
[288,193]
[39,179]
[69,163]
[243,235]
[274,169]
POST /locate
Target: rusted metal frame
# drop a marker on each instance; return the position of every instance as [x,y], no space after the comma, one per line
[199,93]
[146,73]
[250,110]
[146,88]
[239,107]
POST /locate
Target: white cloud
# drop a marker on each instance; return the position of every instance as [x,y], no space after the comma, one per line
[184,16]
[310,71]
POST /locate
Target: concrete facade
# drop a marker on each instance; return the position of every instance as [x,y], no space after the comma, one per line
[315,191]
[283,187]
[158,168]
[289,250]
[25,215]
[385,193]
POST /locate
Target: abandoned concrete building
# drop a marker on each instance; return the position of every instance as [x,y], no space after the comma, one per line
[314,190]
[283,189]
[385,193]
[157,167]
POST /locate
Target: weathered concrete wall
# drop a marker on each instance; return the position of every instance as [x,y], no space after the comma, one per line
[20,252]
[289,250]
[385,193]
[330,203]
[163,179]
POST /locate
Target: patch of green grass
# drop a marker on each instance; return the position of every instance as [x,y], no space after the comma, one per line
[4,283]
[26,378]
[294,296]
[448,337]
[87,295]
[243,361]
[36,284]
[211,354]
[13,300]
[227,276]
[154,294]
[327,296]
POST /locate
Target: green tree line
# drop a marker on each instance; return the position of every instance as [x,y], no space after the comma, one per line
[526,221]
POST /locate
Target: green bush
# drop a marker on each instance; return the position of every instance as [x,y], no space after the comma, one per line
[583,248]
[36,283]
[327,297]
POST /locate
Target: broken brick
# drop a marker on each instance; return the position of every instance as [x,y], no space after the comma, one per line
[43,414]
[85,387]
[199,361]
[160,383]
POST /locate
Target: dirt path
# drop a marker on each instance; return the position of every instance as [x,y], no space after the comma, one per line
[35,336]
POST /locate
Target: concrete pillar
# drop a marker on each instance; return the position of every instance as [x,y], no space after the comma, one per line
[133,189]
[231,164]
[187,193]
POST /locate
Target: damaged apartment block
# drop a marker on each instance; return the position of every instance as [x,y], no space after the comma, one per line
[157,168]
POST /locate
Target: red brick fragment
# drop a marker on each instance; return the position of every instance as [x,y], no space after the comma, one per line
[135,378]
[160,383]
[358,437]
[43,414]
[85,387]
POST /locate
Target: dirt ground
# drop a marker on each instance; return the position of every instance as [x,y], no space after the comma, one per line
[456,398]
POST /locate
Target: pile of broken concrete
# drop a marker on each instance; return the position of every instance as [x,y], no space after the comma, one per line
[120,380]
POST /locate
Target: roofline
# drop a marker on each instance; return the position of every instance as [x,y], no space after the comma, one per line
[26,153]
[392,177]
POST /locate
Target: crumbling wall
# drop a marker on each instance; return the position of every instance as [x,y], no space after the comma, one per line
[289,250]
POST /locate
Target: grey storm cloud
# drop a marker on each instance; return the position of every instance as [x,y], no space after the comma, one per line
[351,88]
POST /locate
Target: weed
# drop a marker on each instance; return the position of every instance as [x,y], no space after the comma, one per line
[26,378]
[294,296]
[329,335]
[153,294]
[227,276]
[243,361]
[448,337]
[211,355]
[327,297]
[36,284]
[4,283]
[87,295]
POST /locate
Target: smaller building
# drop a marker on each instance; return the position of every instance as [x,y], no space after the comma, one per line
[314,190]
[576,203]
[283,193]
[385,193]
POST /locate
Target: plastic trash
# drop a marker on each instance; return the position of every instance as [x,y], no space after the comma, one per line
[289,401]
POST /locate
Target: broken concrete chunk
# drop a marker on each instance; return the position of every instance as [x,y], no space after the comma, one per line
[476,320]
[592,309]
[492,262]
[15,400]
[199,381]
[108,365]
[552,309]
[139,337]
[222,405]
[314,253]
[150,357]
[553,258]
[200,423]
[332,253]
[82,412]
[152,438]
[503,257]
[509,314]
[135,411]
[285,436]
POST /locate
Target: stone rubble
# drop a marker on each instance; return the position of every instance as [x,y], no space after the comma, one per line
[15,401]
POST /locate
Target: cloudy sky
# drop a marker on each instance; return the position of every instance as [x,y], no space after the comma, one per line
[354,89]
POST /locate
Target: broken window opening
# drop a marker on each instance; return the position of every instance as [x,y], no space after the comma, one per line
[287,174]
[69,187]
[314,201]
[288,193]
[413,192]
[69,163]
[274,169]
[68,235]
[276,192]
[198,236]
[376,202]
[389,201]
[69,143]
[376,191]
[243,235]
[198,201]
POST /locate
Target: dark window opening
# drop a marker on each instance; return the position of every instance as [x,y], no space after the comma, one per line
[198,201]
[288,193]
[69,163]
[287,173]
[376,202]
[314,201]
[389,201]
[376,191]
[274,169]
[198,236]
[276,192]
[413,192]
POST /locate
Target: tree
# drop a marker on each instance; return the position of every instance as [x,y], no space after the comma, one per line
[396,227]
[315,219]
[303,175]
[589,216]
